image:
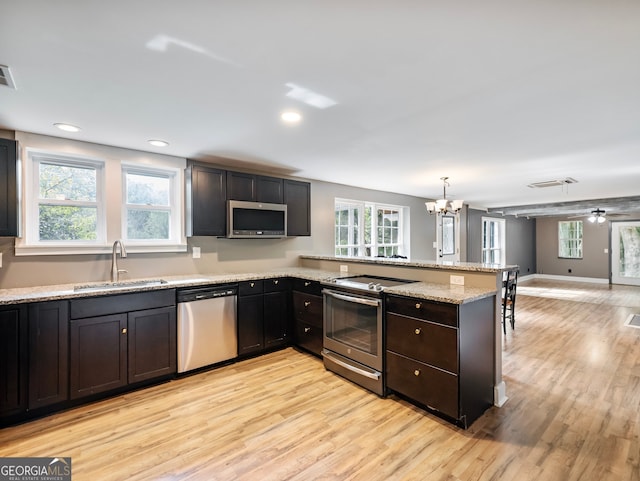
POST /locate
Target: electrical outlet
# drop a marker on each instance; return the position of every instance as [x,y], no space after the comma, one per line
[606,251]
[196,252]
[344,268]
[456,280]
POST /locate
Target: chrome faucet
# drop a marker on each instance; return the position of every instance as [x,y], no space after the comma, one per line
[115,272]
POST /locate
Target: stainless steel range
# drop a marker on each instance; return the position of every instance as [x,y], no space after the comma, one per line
[353,335]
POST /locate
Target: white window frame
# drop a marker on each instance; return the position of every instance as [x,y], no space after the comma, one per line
[32,198]
[111,218]
[174,208]
[501,230]
[562,241]
[360,246]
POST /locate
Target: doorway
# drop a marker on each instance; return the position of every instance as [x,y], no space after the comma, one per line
[625,253]
[448,237]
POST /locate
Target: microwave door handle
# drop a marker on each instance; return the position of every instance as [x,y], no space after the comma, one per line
[358,300]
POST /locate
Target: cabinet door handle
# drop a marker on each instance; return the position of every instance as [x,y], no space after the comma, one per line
[418,305]
[124,330]
[307,329]
[416,372]
[252,284]
[276,282]
[307,303]
[418,330]
[307,284]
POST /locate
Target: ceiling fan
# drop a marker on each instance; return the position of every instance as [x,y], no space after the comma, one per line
[597,216]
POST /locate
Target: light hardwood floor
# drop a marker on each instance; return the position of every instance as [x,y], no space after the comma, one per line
[573,379]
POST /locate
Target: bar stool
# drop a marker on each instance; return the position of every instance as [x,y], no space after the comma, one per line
[509,299]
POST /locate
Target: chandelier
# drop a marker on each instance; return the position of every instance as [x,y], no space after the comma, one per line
[444,206]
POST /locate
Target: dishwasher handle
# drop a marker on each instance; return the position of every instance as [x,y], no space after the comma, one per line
[202,293]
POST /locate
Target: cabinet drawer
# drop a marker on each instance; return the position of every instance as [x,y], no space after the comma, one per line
[307,308]
[250,288]
[424,341]
[304,285]
[427,310]
[276,285]
[309,337]
[427,385]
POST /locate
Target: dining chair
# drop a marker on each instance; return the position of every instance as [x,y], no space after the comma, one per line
[509,299]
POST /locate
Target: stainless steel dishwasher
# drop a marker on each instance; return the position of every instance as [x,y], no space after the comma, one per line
[207,332]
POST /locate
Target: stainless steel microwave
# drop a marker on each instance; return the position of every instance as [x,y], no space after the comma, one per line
[250,220]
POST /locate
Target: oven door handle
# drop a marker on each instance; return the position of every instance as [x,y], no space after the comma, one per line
[371,375]
[358,300]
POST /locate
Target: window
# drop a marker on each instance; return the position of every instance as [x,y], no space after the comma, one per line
[570,239]
[364,229]
[148,204]
[493,241]
[79,205]
[67,201]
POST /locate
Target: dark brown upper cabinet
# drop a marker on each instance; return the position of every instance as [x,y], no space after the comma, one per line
[250,187]
[208,189]
[8,188]
[206,200]
[297,196]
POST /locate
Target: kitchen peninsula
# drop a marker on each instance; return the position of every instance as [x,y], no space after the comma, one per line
[455,282]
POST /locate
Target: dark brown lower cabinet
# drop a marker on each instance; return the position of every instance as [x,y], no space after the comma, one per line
[48,353]
[263,315]
[151,344]
[276,312]
[109,352]
[307,315]
[441,355]
[250,317]
[13,359]
[98,354]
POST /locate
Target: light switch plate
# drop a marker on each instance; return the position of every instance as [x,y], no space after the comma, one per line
[456,280]
[344,268]
[196,252]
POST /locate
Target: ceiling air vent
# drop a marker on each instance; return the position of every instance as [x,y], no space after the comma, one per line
[5,77]
[553,183]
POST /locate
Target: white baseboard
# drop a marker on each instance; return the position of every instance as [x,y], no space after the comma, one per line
[526,278]
[500,394]
[594,280]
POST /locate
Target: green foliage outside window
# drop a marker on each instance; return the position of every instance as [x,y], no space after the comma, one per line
[570,239]
[62,223]
[67,208]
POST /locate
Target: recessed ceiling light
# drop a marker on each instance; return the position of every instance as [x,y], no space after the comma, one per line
[158,143]
[291,117]
[68,127]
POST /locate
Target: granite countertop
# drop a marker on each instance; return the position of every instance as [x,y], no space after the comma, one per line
[449,293]
[70,291]
[423,290]
[430,264]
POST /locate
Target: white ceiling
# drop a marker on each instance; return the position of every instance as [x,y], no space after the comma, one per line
[494,94]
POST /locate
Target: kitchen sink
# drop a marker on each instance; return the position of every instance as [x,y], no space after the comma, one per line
[103,286]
